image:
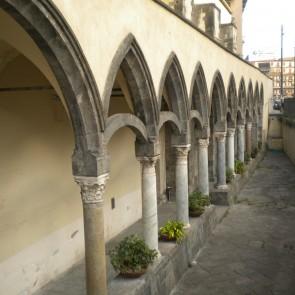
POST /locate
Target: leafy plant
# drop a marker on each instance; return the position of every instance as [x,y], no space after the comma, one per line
[197,203]
[239,167]
[173,230]
[254,153]
[229,175]
[132,255]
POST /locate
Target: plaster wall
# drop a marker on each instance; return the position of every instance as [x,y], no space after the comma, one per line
[41,224]
[143,19]
[289,142]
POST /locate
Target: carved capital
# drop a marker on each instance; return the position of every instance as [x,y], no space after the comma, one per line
[231,132]
[148,162]
[203,143]
[241,128]
[182,150]
[92,188]
[220,136]
[249,126]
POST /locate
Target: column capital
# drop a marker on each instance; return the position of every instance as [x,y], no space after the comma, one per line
[92,188]
[148,161]
[203,142]
[231,132]
[249,126]
[182,150]
[220,136]
[241,127]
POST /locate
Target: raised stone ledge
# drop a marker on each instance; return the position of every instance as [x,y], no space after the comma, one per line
[229,197]
[175,260]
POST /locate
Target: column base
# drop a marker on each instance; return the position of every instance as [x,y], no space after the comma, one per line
[187,226]
[222,186]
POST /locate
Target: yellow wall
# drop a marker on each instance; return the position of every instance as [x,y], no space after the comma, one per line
[289,142]
[37,193]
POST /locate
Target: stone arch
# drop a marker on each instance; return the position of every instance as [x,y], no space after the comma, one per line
[218,103]
[256,97]
[118,121]
[130,59]
[173,121]
[51,33]
[250,99]
[198,97]
[242,97]
[232,99]
[172,78]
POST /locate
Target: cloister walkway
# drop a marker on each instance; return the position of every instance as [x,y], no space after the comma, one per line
[253,250]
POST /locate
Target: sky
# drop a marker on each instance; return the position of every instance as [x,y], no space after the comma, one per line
[262,20]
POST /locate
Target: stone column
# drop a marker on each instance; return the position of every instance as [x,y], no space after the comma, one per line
[221,165]
[241,143]
[149,201]
[92,190]
[203,176]
[249,138]
[181,183]
[231,149]
[254,136]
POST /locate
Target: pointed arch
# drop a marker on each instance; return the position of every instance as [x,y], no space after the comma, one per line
[51,33]
[261,96]
[256,97]
[242,98]
[130,59]
[198,97]
[232,100]
[250,96]
[173,80]
[218,104]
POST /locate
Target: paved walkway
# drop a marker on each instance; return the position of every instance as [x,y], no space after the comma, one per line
[253,250]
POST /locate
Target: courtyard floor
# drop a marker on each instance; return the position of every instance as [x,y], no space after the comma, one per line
[253,250]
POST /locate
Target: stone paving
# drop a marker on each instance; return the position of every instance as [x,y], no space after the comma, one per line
[253,250]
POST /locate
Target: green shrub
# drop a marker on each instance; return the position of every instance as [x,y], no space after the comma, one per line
[197,199]
[197,203]
[132,254]
[229,175]
[247,158]
[254,153]
[173,230]
[239,167]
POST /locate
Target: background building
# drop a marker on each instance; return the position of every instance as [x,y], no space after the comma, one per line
[272,67]
[220,19]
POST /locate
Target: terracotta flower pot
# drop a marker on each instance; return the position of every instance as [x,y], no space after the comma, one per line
[195,213]
[165,238]
[131,274]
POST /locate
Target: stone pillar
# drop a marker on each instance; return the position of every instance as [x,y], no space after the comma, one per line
[92,190]
[181,183]
[241,143]
[149,201]
[231,149]
[249,138]
[221,165]
[203,176]
[254,136]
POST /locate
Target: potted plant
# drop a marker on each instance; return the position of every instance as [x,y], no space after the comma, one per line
[239,167]
[131,257]
[254,153]
[197,203]
[247,158]
[173,230]
[229,175]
